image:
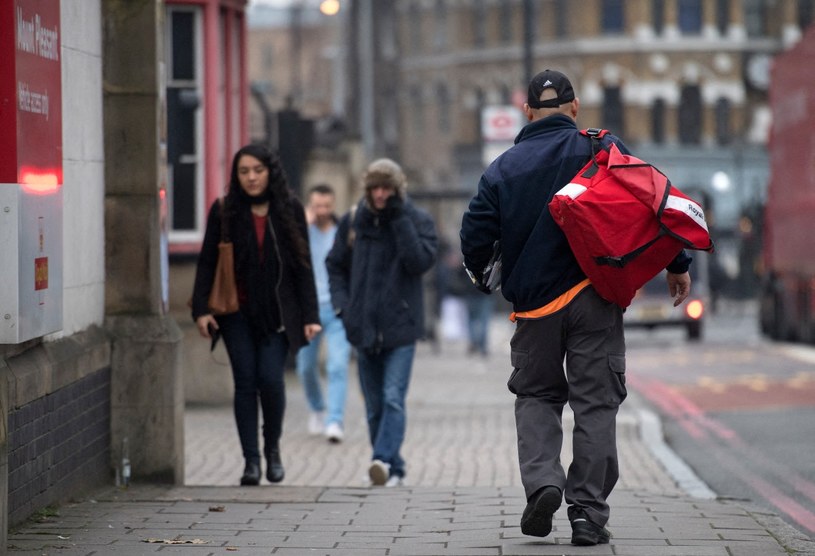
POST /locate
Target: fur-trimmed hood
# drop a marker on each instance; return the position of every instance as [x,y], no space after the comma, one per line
[387,171]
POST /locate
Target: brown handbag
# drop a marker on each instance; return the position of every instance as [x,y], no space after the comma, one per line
[223,298]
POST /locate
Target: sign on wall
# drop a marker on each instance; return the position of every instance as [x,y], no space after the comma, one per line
[31,175]
[499,126]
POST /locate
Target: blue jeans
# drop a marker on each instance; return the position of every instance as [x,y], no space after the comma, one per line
[336,367]
[479,313]
[257,369]
[384,378]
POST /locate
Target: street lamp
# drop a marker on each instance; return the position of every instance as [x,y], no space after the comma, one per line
[330,7]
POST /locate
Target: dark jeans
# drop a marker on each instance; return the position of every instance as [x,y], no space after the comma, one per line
[257,368]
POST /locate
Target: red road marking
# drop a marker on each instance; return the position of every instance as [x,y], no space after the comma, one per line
[700,426]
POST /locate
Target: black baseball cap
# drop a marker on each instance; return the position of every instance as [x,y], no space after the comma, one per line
[549,79]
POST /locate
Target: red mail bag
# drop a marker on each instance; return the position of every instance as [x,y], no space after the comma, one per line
[625,221]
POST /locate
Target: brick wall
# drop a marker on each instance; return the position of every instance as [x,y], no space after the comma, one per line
[59,445]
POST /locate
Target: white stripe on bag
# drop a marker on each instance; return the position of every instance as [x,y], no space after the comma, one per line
[573,190]
[688,207]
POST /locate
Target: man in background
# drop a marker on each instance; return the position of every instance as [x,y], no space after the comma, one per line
[326,416]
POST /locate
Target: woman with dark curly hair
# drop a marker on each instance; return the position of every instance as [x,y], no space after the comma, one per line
[276,292]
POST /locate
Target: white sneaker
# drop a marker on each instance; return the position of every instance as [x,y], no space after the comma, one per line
[315,423]
[379,472]
[395,481]
[333,432]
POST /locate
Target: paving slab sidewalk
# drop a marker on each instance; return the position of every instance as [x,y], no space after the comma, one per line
[463,495]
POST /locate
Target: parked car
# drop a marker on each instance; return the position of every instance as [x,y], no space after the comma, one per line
[652,307]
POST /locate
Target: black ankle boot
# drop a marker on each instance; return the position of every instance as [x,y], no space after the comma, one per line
[251,474]
[274,466]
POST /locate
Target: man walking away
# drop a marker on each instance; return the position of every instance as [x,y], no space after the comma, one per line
[558,316]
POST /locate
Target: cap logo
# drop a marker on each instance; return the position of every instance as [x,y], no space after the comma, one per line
[547,84]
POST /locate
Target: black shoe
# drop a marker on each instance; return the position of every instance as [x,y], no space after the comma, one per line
[251,474]
[537,518]
[274,466]
[586,533]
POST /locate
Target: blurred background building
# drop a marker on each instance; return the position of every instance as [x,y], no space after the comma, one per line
[438,85]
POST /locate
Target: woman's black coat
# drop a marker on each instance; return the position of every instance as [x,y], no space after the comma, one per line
[296,294]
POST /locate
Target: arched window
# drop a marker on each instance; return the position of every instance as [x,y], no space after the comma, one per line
[443,104]
[415,18]
[722,16]
[480,101]
[755,17]
[480,23]
[561,18]
[440,37]
[690,115]
[658,16]
[418,109]
[690,16]
[724,134]
[658,121]
[613,17]
[506,21]
[613,112]
[805,13]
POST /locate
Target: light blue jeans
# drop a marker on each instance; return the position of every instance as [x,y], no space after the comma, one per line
[384,378]
[308,367]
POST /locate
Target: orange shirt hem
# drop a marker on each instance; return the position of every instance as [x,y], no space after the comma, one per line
[553,306]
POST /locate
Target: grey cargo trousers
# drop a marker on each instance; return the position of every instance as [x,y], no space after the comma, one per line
[588,334]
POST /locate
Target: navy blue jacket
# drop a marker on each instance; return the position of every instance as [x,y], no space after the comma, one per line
[512,206]
[376,278]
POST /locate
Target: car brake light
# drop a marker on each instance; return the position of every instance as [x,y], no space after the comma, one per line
[694,309]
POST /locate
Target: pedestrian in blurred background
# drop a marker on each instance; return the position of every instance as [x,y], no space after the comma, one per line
[326,417]
[465,312]
[278,300]
[383,247]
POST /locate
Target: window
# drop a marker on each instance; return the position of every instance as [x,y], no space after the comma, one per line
[561,18]
[479,23]
[755,17]
[613,16]
[418,109]
[690,115]
[440,39]
[658,121]
[658,16]
[414,21]
[506,21]
[722,16]
[805,13]
[268,57]
[690,16]
[185,185]
[480,101]
[613,112]
[723,132]
[443,102]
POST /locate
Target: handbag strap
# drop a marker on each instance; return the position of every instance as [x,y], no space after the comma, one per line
[224,221]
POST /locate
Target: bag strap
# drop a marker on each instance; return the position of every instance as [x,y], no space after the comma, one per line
[621,262]
[595,134]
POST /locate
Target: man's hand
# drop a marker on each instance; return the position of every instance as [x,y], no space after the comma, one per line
[679,286]
[311,330]
[393,207]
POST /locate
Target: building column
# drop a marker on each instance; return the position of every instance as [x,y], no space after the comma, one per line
[147,401]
